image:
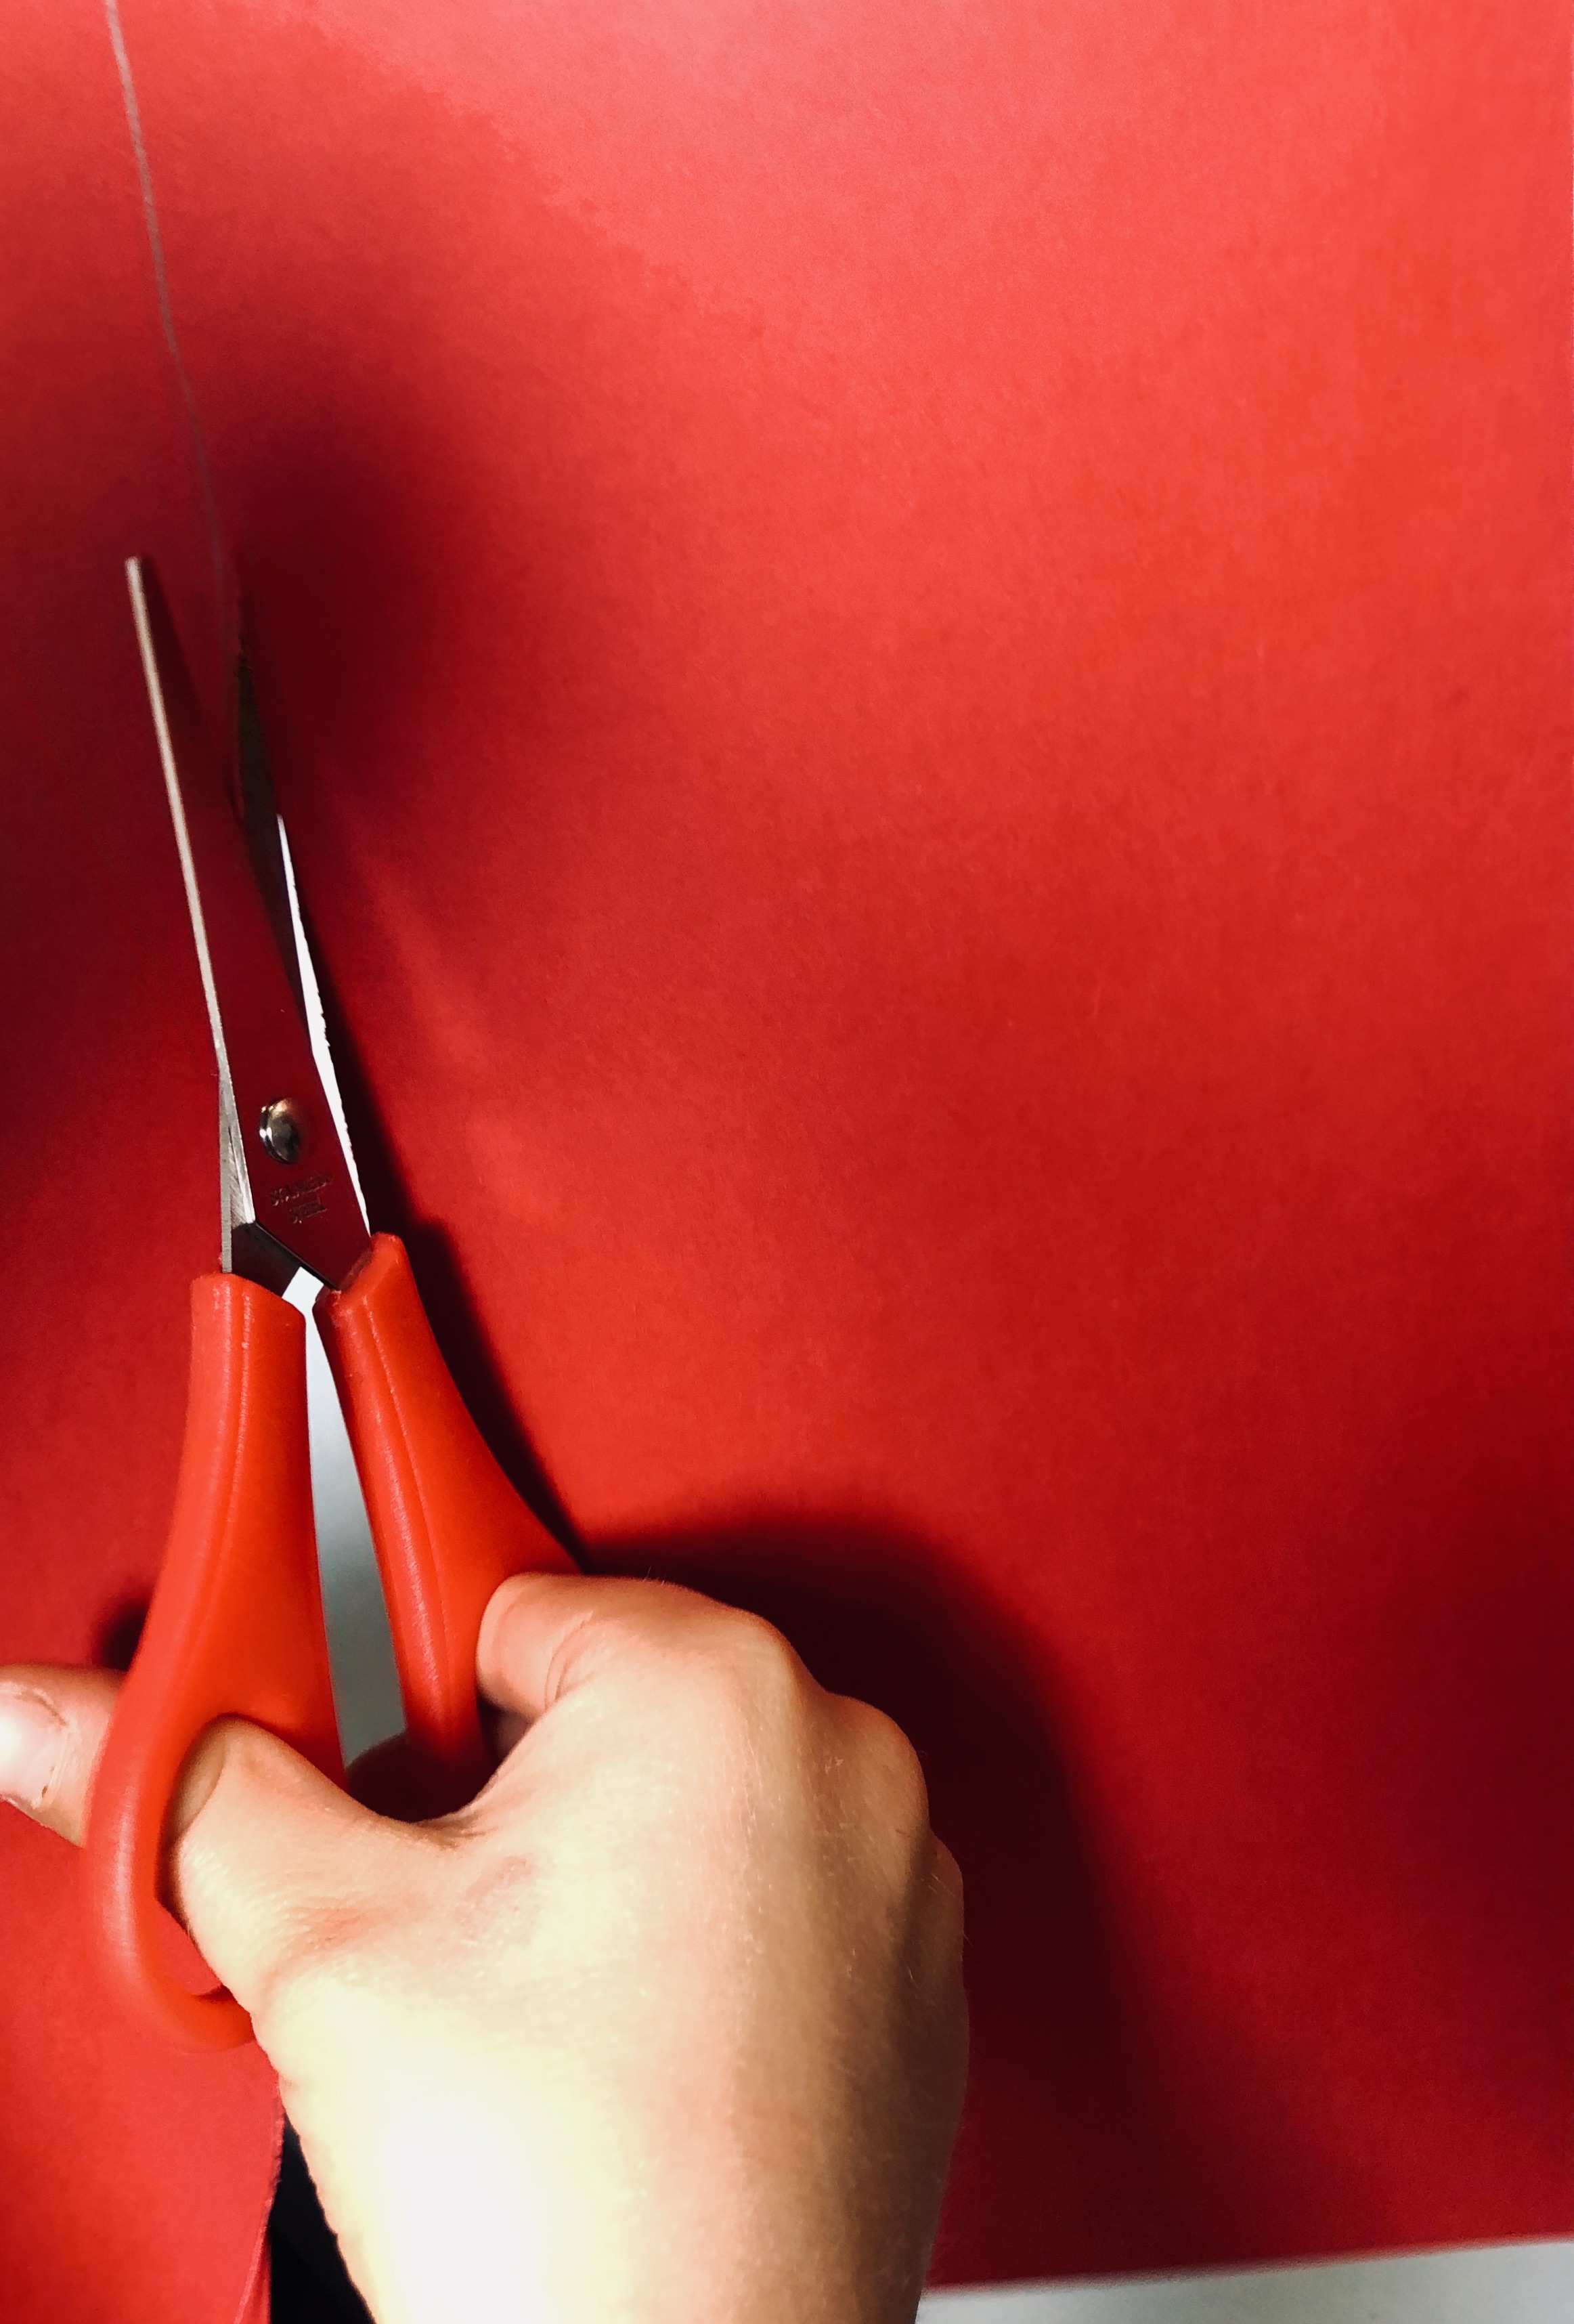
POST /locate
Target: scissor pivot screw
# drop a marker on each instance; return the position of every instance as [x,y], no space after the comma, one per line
[280,1130]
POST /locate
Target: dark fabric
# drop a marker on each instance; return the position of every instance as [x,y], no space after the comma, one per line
[311,2284]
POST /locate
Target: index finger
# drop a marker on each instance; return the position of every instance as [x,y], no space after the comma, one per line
[543,1634]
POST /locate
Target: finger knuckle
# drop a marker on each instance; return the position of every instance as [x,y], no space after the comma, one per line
[742,1679]
[891,1768]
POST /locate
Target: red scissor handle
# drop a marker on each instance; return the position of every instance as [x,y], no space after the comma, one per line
[447,1524]
[235,1625]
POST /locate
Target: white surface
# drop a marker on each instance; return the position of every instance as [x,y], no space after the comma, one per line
[365,1681]
[1516,2283]
[1511,2283]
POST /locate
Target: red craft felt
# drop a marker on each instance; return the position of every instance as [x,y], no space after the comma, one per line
[918,661]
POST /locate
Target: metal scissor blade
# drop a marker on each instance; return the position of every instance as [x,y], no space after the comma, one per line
[288,1191]
[268,845]
[260,821]
[317,1026]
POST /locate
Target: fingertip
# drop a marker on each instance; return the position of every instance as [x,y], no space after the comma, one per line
[500,1610]
[33,1741]
[525,1623]
[543,1634]
[52,1726]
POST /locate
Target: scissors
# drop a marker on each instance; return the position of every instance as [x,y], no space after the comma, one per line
[235,1624]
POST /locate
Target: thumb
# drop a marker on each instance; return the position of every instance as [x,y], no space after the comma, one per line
[52,1726]
[263,1852]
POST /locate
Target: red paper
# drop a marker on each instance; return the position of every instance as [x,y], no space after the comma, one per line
[918,662]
